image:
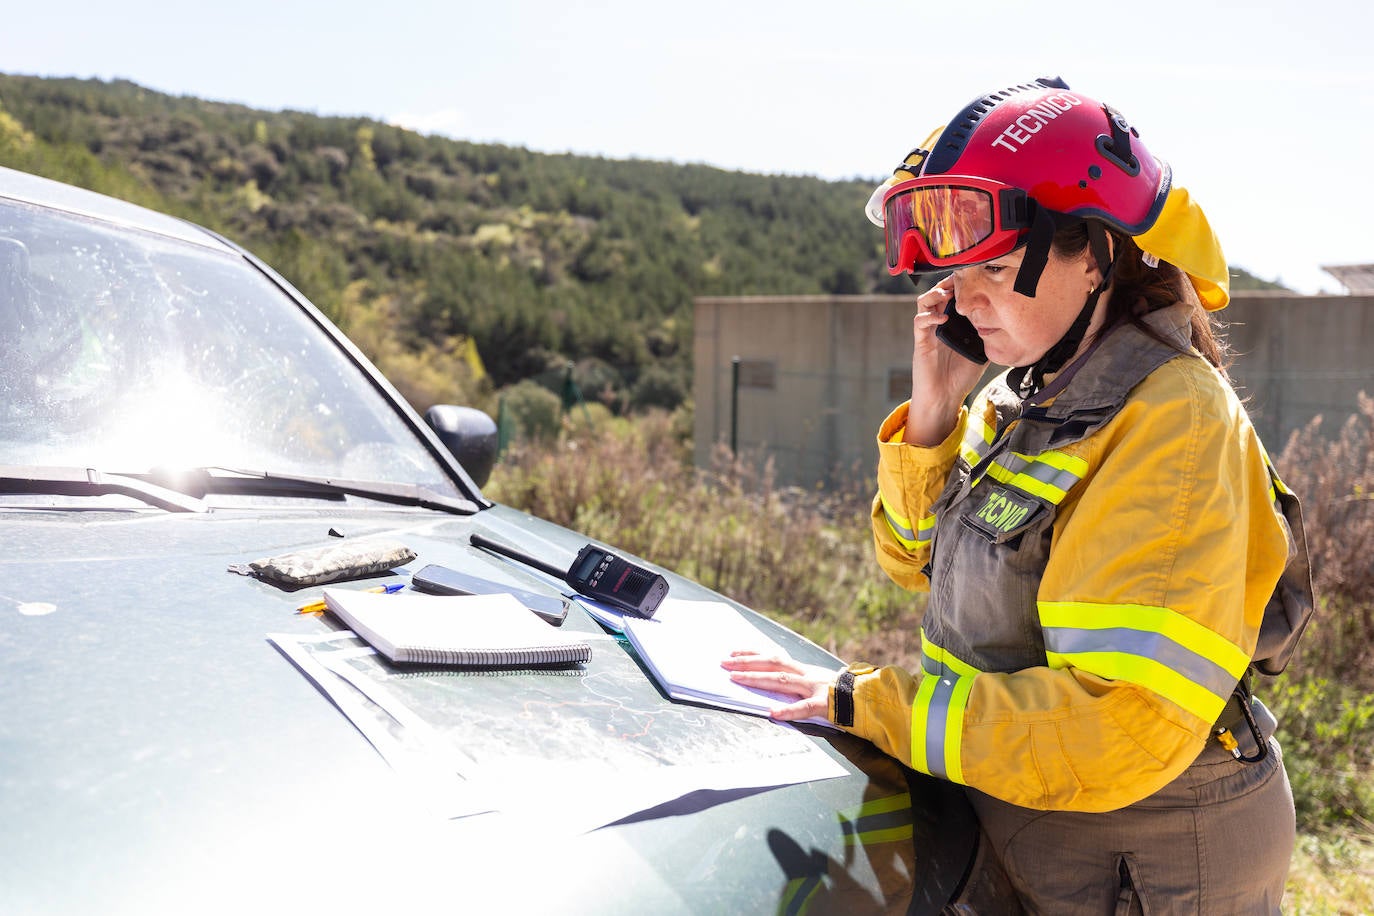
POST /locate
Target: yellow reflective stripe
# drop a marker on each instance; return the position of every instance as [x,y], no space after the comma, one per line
[901,529]
[1049,475]
[977,439]
[1061,461]
[872,837]
[883,820]
[979,430]
[1156,648]
[1181,629]
[954,729]
[1147,673]
[924,691]
[797,894]
[898,802]
[937,654]
[899,525]
[937,713]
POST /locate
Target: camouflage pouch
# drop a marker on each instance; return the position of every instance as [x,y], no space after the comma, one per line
[349,560]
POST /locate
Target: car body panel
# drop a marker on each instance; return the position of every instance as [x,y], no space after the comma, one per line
[160,752]
[173,740]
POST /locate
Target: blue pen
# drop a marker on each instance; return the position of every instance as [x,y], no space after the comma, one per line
[316,607]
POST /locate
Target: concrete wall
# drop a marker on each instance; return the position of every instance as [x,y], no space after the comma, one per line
[1297,357]
[819,373]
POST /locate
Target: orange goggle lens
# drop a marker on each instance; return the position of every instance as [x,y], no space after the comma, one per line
[930,226]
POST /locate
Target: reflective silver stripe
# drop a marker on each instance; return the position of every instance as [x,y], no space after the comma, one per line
[935,659]
[1039,477]
[1154,646]
[1039,470]
[937,715]
[977,440]
[903,531]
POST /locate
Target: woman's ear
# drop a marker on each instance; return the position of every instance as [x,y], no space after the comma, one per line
[1091,275]
[1092,269]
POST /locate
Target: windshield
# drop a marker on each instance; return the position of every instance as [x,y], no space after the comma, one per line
[130,352]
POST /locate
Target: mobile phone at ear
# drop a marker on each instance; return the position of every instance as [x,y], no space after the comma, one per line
[959,335]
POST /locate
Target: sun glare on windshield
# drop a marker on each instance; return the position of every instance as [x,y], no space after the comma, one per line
[125,351]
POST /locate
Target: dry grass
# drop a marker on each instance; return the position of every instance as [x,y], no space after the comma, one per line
[1332,876]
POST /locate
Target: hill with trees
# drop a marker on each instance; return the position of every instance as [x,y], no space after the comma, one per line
[423,248]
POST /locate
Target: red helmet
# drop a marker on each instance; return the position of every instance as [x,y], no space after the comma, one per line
[1031,156]
[974,194]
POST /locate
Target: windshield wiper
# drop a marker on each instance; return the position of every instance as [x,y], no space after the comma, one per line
[240,480]
[71,481]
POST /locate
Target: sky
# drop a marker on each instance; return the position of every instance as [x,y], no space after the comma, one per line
[1264,109]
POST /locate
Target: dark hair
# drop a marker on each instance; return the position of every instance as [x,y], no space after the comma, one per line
[1138,289]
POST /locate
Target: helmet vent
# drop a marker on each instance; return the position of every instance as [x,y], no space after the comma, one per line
[952,142]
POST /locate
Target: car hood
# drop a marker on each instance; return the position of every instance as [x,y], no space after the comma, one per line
[157,751]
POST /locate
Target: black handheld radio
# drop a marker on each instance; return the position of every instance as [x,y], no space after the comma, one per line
[598,574]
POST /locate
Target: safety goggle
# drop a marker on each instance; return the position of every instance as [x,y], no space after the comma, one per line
[944,221]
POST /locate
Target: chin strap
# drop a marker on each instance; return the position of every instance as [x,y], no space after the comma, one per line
[1030,379]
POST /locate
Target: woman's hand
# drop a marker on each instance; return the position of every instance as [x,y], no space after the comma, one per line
[940,378]
[780,674]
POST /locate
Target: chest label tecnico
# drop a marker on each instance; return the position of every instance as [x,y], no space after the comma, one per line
[1002,512]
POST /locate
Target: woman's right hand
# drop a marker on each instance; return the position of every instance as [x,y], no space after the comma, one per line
[940,378]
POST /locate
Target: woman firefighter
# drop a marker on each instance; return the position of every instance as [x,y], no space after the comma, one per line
[1109,554]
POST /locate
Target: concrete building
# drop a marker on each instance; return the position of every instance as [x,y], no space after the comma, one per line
[805,380]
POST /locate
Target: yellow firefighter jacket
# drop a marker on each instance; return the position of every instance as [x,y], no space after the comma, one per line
[1099,559]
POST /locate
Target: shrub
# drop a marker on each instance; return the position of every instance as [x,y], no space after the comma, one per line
[1337,477]
[535,409]
[659,386]
[1327,732]
[1326,716]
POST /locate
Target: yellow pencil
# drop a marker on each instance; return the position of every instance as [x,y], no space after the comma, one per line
[315,607]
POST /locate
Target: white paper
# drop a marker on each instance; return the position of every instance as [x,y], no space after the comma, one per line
[611,618]
[683,645]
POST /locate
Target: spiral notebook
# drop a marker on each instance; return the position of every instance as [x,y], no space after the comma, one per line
[481,631]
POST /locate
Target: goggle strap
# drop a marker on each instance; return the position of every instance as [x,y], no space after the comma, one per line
[1015,207]
[1037,250]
